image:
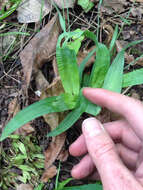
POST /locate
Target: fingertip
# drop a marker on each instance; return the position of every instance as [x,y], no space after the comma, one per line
[75,173]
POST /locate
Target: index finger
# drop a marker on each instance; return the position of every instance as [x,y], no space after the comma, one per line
[131,109]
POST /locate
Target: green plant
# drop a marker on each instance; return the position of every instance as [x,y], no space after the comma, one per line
[22,161]
[13,6]
[103,75]
[61,185]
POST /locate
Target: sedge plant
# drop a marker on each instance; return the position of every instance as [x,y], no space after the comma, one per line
[104,74]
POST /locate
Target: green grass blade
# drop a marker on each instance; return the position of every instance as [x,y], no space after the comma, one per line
[95,186]
[61,19]
[100,66]
[14,33]
[70,119]
[68,69]
[114,38]
[133,78]
[113,79]
[45,106]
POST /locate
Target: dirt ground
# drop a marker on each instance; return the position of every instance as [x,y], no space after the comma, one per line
[12,80]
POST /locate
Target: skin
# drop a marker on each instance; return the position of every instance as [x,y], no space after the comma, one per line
[118,165]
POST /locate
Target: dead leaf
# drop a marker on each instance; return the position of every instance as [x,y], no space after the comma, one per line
[49,173]
[24,187]
[13,108]
[30,10]
[25,130]
[137,12]
[41,82]
[40,48]
[64,3]
[82,54]
[113,6]
[54,149]
[53,119]
[63,156]
[119,47]
[109,31]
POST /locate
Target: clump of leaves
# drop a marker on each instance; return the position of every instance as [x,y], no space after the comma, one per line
[103,75]
[22,162]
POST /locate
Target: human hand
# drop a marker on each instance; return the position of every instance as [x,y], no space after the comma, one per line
[119,165]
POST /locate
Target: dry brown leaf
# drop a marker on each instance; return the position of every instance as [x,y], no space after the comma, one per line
[82,54]
[49,173]
[30,10]
[41,82]
[54,149]
[109,31]
[53,119]
[64,3]
[63,156]
[25,130]
[129,58]
[114,5]
[119,47]
[40,48]
[24,187]
[13,108]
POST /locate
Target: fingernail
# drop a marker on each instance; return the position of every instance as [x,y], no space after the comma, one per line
[92,126]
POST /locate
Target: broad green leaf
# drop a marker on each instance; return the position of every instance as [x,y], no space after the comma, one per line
[86,4]
[85,187]
[133,78]
[91,36]
[45,106]
[92,109]
[68,69]
[100,66]
[71,118]
[114,38]
[83,63]
[75,44]
[113,79]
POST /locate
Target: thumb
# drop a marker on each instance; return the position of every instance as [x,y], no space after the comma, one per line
[102,150]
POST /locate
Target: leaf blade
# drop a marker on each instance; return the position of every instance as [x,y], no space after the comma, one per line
[113,79]
[68,69]
[100,66]
[133,78]
[85,187]
[45,106]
